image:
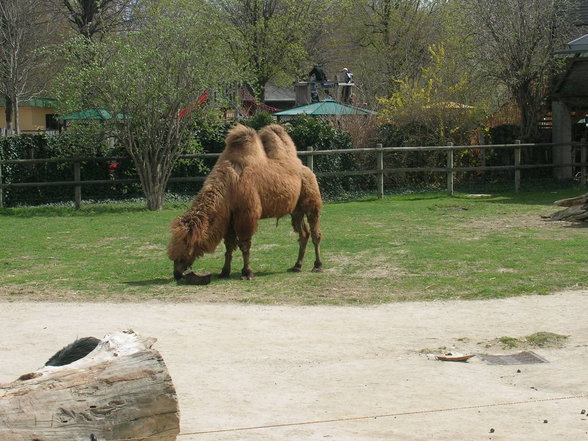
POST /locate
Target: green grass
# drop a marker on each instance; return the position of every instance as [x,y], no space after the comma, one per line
[417,247]
[540,339]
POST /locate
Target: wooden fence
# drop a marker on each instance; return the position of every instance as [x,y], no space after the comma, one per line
[379,172]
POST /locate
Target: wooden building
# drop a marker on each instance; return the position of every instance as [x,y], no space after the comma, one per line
[35,116]
[569,102]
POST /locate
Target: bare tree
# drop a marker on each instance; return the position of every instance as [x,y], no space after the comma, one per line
[516,40]
[394,36]
[23,30]
[94,17]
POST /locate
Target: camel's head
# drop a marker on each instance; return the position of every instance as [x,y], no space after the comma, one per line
[183,248]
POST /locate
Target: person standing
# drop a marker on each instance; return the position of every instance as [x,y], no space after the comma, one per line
[319,77]
[346,91]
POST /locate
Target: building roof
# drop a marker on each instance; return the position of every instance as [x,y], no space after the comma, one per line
[326,107]
[579,44]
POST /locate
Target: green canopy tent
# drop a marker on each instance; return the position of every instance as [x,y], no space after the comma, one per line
[94,114]
[324,108]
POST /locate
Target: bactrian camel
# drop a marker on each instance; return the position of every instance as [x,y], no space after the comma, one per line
[257,176]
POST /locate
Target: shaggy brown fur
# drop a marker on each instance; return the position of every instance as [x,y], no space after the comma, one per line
[257,176]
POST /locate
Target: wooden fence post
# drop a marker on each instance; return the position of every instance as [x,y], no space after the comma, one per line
[517,164]
[310,159]
[78,186]
[1,189]
[583,157]
[450,174]
[380,175]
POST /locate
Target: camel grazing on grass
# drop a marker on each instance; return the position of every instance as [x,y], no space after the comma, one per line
[257,176]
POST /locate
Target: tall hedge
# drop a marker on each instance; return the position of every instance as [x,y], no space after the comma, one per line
[84,143]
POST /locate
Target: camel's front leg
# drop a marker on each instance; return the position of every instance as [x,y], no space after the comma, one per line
[245,226]
[230,246]
[247,271]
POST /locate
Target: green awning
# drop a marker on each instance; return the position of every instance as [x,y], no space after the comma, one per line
[48,103]
[326,107]
[93,114]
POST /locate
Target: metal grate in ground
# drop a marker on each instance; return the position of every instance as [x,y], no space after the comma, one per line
[526,357]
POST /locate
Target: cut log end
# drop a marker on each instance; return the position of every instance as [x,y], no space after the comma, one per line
[119,390]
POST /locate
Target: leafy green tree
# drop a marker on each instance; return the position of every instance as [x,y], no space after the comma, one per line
[270,36]
[440,99]
[390,39]
[150,80]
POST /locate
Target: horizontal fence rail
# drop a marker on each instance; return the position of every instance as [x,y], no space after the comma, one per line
[450,169]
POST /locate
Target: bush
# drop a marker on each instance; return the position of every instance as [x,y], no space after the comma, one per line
[259,120]
[308,131]
[210,131]
[87,140]
[504,134]
[65,145]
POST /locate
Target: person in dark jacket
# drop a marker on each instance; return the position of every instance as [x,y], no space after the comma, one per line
[317,75]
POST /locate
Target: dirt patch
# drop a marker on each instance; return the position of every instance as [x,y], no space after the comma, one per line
[337,373]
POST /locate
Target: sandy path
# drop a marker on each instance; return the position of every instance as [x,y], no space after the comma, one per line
[237,366]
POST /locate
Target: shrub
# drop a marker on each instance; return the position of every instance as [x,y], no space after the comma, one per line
[308,131]
[82,140]
[259,120]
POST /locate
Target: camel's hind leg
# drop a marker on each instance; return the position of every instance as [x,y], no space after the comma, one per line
[247,271]
[230,246]
[301,227]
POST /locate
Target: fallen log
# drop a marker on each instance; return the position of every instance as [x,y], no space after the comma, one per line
[570,202]
[121,390]
[577,209]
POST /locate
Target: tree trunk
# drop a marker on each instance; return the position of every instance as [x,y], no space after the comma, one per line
[154,200]
[528,109]
[15,110]
[8,114]
[153,188]
[119,391]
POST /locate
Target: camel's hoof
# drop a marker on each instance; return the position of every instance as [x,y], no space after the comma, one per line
[224,276]
[318,269]
[295,269]
[248,277]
